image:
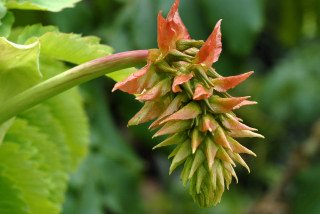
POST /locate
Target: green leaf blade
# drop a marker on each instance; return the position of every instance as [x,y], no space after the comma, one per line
[53,6]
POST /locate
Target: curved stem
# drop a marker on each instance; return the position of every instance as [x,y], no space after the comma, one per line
[69,79]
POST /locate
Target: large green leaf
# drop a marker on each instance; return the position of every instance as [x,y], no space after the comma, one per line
[6,24]
[121,74]
[62,46]
[46,143]
[4,128]
[3,11]
[42,147]
[72,47]
[19,67]
[49,5]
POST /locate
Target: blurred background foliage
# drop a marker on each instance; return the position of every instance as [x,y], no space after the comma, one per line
[279,40]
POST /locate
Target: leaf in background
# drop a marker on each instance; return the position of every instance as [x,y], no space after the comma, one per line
[193,18]
[6,24]
[46,143]
[49,5]
[288,22]
[108,179]
[20,35]
[306,192]
[121,74]
[242,21]
[118,35]
[291,92]
[62,46]
[42,147]
[19,67]
[3,11]
[4,128]
[72,47]
[144,32]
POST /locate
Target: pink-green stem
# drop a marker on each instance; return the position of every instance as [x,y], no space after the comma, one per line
[69,79]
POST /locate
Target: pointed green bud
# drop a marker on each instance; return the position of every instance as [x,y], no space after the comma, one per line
[172,140]
[211,150]
[174,127]
[159,90]
[223,156]
[208,123]
[200,72]
[230,169]
[188,88]
[227,177]
[197,161]
[244,133]
[239,160]
[233,123]
[212,73]
[184,44]
[149,111]
[174,151]
[200,176]
[183,152]
[225,105]
[171,108]
[213,174]
[191,51]
[175,55]
[190,111]
[238,148]
[220,177]
[186,171]
[220,138]
[196,139]
[163,66]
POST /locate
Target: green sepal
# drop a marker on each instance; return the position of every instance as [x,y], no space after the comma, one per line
[183,152]
[172,140]
[199,157]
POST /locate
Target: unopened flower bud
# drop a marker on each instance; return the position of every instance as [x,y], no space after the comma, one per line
[187,100]
[184,44]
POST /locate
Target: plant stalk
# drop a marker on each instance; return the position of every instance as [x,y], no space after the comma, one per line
[68,79]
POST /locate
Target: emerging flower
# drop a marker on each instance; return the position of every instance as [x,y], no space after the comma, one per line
[188,101]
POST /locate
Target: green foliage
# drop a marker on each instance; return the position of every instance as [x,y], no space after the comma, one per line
[108,179]
[6,24]
[18,63]
[249,16]
[4,128]
[306,191]
[43,145]
[122,74]
[75,49]
[54,6]
[293,86]
[36,159]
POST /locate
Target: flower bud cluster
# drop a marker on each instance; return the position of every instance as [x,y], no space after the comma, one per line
[189,103]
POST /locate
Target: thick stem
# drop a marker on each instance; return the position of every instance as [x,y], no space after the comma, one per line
[69,79]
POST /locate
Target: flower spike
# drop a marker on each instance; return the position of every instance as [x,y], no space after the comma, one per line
[187,100]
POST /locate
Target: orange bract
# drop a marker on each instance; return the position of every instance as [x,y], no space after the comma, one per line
[171,29]
[210,51]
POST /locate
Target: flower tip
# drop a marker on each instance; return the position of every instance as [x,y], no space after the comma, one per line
[114,88]
[173,9]
[210,51]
